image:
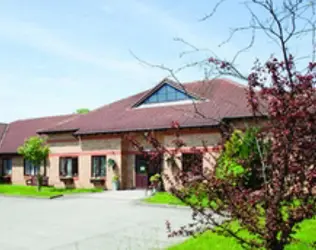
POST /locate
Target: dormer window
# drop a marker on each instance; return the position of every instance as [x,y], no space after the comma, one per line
[167,94]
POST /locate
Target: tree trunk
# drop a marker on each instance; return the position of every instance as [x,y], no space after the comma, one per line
[275,245]
[278,246]
[39,182]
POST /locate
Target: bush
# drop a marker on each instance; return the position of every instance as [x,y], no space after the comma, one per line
[241,158]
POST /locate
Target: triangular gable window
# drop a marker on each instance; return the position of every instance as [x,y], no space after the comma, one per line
[167,93]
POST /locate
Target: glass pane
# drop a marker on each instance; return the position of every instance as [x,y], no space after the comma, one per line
[27,168]
[141,164]
[170,89]
[98,169]
[171,96]
[162,91]
[61,166]
[32,169]
[181,96]
[74,165]
[7,166]
[167,93]
[152,99]
[94,166]
[103,166]
[162,97]
[142,169]
[69,168]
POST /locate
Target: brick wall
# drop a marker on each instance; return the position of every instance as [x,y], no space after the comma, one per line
[18,170]
[113,147]
[83,148]
[118,149]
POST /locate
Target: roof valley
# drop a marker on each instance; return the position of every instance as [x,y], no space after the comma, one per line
[2,136]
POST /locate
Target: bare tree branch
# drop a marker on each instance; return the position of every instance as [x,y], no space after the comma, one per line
[217,5]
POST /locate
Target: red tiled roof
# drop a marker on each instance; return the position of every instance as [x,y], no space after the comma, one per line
[221,98]
[3,127]
[16,132]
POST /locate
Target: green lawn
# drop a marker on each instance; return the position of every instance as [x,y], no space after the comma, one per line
[306,235]
[164,198]
[46,192]
[169,199]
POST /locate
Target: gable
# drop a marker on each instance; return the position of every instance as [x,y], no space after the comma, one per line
[166,93]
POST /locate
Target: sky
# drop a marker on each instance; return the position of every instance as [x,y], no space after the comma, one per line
[59,56]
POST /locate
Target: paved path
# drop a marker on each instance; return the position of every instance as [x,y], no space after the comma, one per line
[100,221]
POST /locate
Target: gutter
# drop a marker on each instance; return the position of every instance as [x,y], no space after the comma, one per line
[244,117]
[56,131]
[9,153]
[140,130]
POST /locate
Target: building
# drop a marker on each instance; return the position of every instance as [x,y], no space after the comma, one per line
[81,146]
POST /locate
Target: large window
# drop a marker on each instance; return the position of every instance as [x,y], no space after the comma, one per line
[98,166]
[167,93]
[192,162]
[68,166]
[30,169]
[7,166]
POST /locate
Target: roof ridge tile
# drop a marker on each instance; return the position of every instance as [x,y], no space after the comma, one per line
[41,117]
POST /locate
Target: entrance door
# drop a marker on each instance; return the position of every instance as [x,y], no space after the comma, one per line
[144,170]
[141,171]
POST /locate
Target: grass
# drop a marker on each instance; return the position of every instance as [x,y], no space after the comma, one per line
[306,235]
[164,198]
[169,199]
[46,192]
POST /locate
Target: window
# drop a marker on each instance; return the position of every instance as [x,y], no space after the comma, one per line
[167,93]
[98,167]
[68,166]
[7,166]
[192,162]
[30,169]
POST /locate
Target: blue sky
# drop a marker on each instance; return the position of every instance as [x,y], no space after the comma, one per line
[57,56]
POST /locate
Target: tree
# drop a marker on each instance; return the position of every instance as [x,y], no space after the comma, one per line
[278,90]
[82,111]
[272,209]
[36,151]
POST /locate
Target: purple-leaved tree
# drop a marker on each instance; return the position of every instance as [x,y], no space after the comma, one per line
[281,155]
